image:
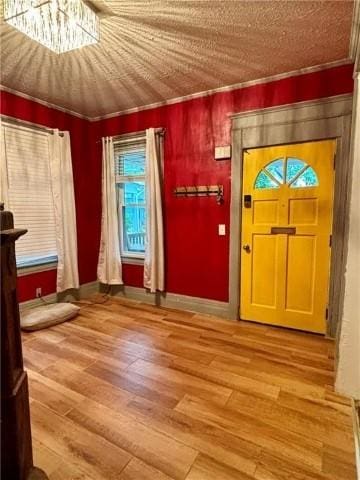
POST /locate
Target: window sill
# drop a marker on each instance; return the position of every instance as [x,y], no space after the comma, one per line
[133,260]
[22,271]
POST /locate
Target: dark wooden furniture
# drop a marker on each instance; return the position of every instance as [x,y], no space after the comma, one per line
[16,447]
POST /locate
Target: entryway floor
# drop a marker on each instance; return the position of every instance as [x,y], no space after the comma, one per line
[129,391]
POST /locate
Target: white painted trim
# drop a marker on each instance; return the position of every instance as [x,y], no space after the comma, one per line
[23,271]
[329,105]
[127,260]
[84,291]
[228,88]
[172,300]
[43,102]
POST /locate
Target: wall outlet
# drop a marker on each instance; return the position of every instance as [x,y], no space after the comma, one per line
[38,292]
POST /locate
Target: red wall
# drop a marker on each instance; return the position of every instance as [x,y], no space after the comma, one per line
[196,257]
[86,170]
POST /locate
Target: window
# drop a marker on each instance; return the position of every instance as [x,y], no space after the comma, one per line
[29,193]
[131,194]
[290,171]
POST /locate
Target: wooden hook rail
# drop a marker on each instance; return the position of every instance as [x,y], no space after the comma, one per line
[201,191]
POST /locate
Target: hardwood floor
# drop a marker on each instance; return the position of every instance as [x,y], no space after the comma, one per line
[129,391]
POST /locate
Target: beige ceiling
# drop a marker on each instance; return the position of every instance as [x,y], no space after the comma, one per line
[155,50]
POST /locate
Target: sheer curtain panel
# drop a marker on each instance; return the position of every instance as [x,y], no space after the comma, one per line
[109,265]
[62,185]
[154,246]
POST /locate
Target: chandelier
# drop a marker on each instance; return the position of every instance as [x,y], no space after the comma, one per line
[60,25]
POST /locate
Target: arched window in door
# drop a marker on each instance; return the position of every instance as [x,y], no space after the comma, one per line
[293,172]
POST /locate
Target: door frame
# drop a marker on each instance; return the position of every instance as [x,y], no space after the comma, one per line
[323,119]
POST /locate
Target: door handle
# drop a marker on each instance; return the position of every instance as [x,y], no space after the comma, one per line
[246,247]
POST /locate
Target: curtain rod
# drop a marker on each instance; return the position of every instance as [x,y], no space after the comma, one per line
[139,134]
[25,124]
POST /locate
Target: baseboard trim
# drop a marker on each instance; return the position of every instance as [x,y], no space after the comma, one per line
[171,300]
[70,295]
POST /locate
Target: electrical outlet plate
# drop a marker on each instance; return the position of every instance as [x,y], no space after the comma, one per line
[38,292]
[221,229]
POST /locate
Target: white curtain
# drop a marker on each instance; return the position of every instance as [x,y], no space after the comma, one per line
[154,246]
[62,185]
[109,265]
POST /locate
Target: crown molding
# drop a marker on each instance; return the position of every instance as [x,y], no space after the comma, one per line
[43,102]
[206,93]
[354,48]
[228,88]
[326,102]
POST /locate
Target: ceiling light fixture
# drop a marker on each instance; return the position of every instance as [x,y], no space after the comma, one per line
[60,25]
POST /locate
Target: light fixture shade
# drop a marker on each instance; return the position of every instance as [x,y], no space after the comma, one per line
[60,25]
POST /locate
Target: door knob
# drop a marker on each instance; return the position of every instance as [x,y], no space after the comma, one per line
[246,248]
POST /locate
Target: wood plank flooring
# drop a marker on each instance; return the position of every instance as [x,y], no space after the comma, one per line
[129,391]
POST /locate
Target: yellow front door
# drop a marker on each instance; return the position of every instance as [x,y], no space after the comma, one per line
[286,228]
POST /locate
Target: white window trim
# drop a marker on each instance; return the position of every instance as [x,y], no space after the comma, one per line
[42,267]
[133,260]
[37,267]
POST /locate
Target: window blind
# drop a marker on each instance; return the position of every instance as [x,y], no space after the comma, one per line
[130,157]
[29,194]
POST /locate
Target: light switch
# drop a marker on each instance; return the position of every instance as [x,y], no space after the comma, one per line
[221,229]
[222,152]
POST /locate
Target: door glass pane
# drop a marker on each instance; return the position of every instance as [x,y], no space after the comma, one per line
[264,181]
[293,167]
[307,179]
[276,168]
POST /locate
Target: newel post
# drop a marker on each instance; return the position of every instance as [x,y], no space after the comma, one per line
[16,446]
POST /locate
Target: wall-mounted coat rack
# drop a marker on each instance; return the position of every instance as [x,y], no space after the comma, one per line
[201,191]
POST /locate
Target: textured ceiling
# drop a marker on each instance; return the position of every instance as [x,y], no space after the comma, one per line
[151,51]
